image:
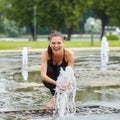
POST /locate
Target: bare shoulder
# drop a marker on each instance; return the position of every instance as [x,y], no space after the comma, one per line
[69,53]
[45,55]
[69,57]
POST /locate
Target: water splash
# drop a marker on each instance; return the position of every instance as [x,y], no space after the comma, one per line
[104,53]
[25,63]
[65,100]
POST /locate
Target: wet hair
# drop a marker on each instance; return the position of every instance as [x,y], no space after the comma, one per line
[54,33]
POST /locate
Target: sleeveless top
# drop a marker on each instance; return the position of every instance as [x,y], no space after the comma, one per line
[54,70]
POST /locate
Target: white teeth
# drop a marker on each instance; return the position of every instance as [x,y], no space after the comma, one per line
[56,49]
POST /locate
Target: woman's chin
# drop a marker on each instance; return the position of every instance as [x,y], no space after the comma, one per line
[56,51]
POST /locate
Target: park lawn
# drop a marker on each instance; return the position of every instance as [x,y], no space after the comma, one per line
[43,44]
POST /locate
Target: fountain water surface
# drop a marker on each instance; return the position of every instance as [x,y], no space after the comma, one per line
[104,53]
[25,63]
[27,99]
[65,100]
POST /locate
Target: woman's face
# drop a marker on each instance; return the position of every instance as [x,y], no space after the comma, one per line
[56,44]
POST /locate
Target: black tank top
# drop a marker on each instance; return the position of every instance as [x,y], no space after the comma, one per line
[54,70]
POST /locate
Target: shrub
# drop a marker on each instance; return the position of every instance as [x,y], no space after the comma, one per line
[112,37]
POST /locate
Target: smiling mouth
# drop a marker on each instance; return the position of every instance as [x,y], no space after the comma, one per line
[56,49]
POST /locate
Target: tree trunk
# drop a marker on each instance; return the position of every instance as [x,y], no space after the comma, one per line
[34,37]
[103,30]
[69,33]
[104,20]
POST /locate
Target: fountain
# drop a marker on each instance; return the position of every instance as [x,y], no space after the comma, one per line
[25,63]
[65,100]
[97,95]
[104,53]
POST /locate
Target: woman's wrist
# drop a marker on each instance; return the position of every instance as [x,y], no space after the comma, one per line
[55,83]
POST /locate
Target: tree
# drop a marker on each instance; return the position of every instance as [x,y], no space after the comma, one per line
[61,14]
[2,5]
[53,14]
[10,28]
[73,11]
[47,14]
[107,11]
[72,14]
[114,11]
[100,9]
[21,12]
[97,25]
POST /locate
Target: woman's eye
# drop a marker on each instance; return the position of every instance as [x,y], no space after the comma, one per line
[53,43]
[59,42]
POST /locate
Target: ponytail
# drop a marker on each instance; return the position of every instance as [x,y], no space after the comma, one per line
[49,51]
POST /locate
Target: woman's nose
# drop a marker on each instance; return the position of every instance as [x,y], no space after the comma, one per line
[56,45]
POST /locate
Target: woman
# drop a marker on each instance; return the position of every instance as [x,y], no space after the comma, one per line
[53,59]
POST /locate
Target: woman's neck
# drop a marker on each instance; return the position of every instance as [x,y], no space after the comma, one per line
[59,54]
[58,57]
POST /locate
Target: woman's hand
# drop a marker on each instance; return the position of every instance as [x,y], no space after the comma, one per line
[64,88]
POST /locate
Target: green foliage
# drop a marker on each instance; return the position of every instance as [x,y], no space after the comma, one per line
[54,14]
[112,37]
[114,10]
[1,26]
[58,14]
[11,29]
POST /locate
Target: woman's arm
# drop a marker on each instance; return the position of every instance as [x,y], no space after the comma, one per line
[43,70]
[70,58]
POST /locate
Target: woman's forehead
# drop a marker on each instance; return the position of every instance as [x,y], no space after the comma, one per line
[56,38]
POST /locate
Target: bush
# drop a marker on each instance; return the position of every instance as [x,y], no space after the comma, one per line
[112,37]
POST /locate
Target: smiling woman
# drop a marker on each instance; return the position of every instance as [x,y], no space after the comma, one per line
[53,59]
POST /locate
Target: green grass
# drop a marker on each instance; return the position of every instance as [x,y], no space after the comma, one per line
[44,44]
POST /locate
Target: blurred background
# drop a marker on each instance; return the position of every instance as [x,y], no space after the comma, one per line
[28,20]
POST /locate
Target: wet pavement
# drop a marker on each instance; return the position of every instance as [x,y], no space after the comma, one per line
[26,100]
[88,112]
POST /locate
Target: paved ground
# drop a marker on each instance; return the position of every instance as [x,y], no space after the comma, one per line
[34,115]
[83,113]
